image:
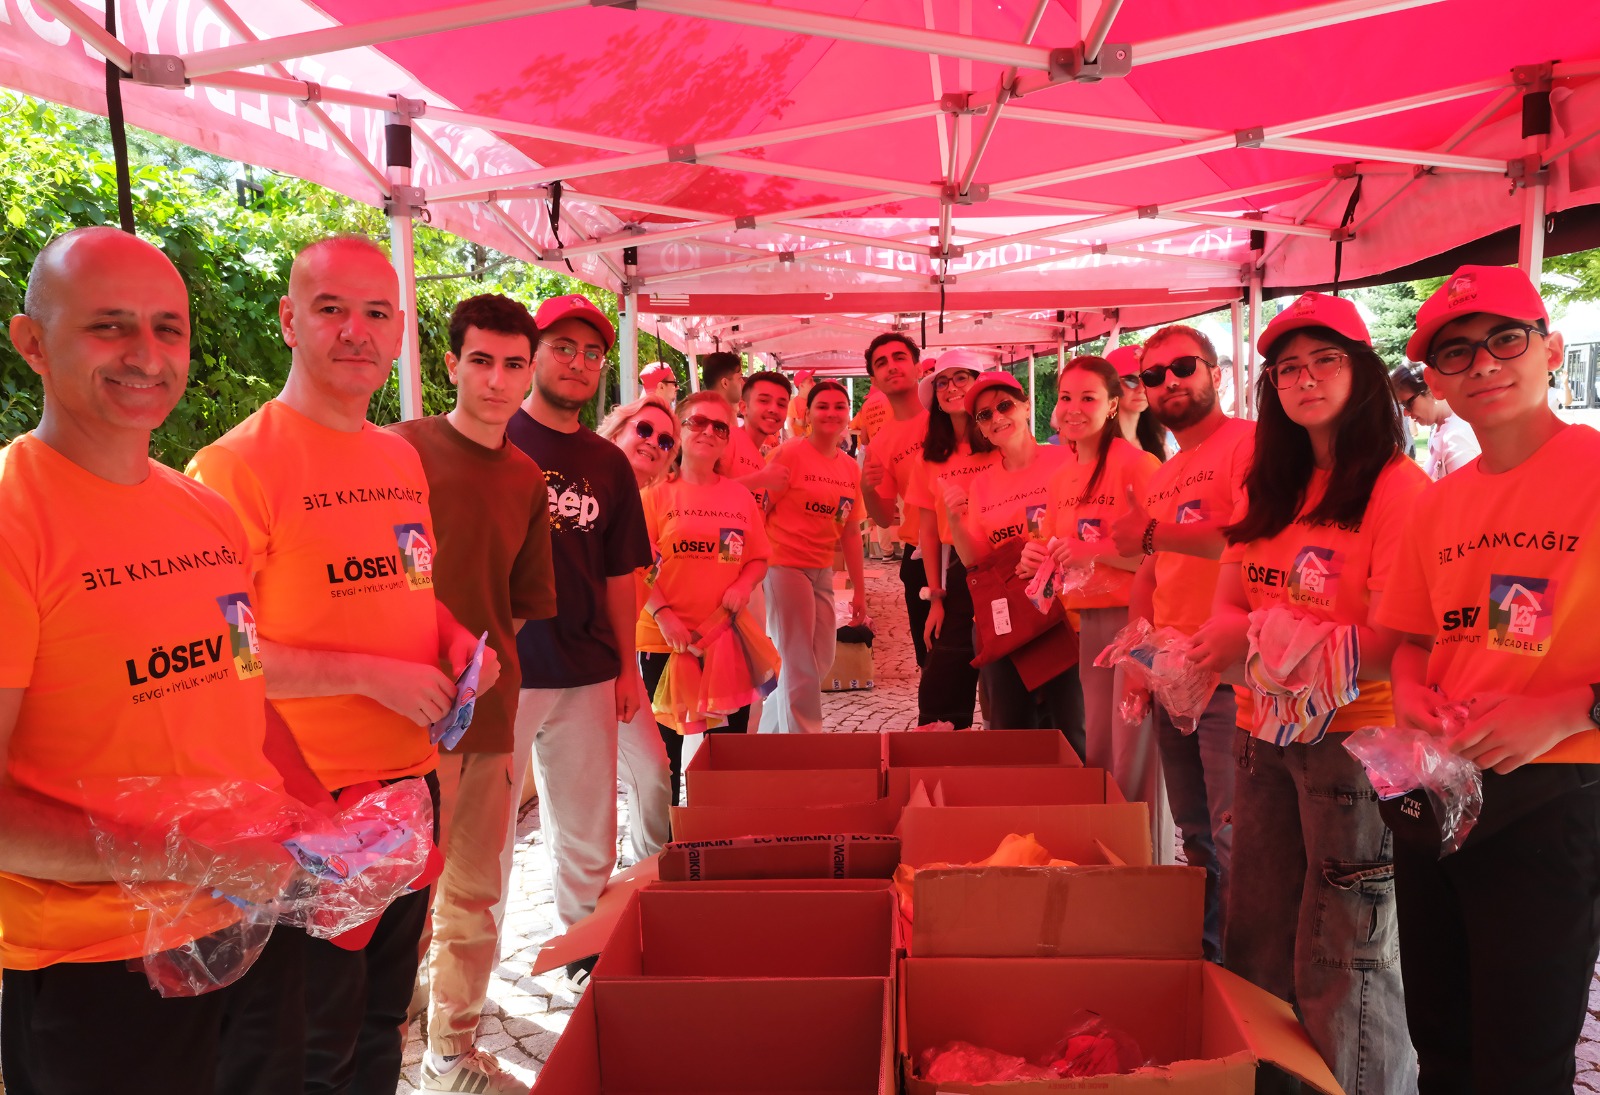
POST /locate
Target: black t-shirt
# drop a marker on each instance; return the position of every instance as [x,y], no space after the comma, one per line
[597,531]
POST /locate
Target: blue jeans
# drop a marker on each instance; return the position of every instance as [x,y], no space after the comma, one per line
[1312,907]
[1199,771]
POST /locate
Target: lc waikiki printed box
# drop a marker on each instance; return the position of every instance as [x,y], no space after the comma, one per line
[753,987]
[784,770]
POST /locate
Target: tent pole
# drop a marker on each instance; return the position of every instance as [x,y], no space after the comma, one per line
[694,369]
[1237,314]
[1255,336]
[628,346]
[397,143]
[1530,241]
[1033,394]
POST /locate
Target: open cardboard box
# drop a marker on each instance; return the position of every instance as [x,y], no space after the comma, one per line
[785,770]
[1125,944]
[767,857]
[978,748]
[698,823]
[1005,786]
[588,935]
[1117,833]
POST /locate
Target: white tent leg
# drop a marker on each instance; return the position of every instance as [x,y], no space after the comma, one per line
[1237,312]
[628,347]
[1530,242]
[1033,398]
[403,255]
[694,370]
[1255,336]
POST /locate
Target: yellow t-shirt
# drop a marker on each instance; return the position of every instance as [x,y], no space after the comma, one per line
[702,535]
[897,445]
[1203,484]
[1003,504]
[1333,572]
[926,489]
[824,495]
[1072,516]
[1503,571]
[128,625]
[344,552]
[874,412]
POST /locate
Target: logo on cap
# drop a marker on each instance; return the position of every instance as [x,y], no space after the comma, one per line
[1462,288]
[1306,304]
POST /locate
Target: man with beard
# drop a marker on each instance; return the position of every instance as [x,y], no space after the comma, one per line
[580,678]
[892,454]
[1179,525]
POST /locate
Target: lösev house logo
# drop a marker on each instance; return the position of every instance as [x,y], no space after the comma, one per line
[242,638]
[1521,614]
[416,555]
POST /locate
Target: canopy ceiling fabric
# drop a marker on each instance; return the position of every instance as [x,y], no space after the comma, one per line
[811,170]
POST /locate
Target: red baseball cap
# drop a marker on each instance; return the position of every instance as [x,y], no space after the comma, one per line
[1498,290]
[1316,310]
[656,372]
[573,306]
[994,378]
[1125,359]
[803,375]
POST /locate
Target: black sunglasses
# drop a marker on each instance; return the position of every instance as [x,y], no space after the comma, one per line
[647,431]
[698,423]
[1182,368]
[1004,406]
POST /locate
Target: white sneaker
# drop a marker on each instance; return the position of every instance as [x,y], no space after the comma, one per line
[475,1072]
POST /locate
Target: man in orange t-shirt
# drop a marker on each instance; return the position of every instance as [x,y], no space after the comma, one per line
[1496,587]
[892,456]
[126,594]
[337,514]
[1179,524]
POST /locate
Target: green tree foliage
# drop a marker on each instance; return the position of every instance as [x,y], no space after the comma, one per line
[1394,312]
[235,259]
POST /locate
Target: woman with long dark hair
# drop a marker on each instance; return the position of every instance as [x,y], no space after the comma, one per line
[1451,442]
[1311,914]
[952,453]
[1086,496]
[1134,416]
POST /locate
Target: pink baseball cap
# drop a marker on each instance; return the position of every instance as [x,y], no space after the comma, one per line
[1498,290]
[573,306]
[1125,359]
[656,372]
[949,363]
[995,378]
[803,375]
[1316,310]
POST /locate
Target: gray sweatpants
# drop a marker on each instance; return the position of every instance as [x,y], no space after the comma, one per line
[800,620]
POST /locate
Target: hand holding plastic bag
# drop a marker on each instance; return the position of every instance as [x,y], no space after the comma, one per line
[1402,760]
[1158,659]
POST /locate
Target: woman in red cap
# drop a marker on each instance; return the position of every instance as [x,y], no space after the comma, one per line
[1311,909]
[1138,424]
[1005,501]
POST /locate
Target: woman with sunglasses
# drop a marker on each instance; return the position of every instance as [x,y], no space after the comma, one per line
[1007,500]
[711,551]
[647,435]
[1086,496]
[1311,910]
[953,451]
[1138,423]
[1451,442]
[819,512]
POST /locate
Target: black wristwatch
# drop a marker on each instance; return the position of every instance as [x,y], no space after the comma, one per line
[1594,711]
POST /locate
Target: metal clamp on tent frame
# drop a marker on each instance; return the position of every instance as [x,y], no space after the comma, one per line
[950,194]
[1069,63]
[407,201]
[159,70]
[1526,171]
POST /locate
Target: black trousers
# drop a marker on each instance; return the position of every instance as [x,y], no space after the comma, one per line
[915,580]
[1056,703]
[948,689]
[82,1028]
[651,666]
[1498,944]
[356,1001]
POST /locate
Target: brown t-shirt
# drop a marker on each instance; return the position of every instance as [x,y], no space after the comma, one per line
[491,518]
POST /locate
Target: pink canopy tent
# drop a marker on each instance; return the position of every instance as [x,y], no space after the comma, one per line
[788,178]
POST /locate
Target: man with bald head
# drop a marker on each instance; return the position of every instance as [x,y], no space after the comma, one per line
[110,566]
[363,655]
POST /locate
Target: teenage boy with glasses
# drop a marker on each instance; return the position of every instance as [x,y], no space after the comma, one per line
[580,678]
[1496,588]
[1179,525]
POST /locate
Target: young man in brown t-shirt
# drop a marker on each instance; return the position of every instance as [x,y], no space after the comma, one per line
[490,515]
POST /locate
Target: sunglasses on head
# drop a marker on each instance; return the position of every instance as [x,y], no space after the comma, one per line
[699,423]
[1004,406]
[647,431]
[1181,367]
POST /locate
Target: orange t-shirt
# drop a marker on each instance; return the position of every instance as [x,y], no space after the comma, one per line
[824,495]
[1503,572]
[897,445]
[926,490]
[1003,504]
[1071,516]
[702,535]
[1333,572]
[1201,484]
[742,459]
[344,550]
[127,616]
[874,412]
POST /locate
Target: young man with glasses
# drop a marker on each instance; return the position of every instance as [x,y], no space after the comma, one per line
[580,678]
[1496,588]
[891,457]
[1179,525]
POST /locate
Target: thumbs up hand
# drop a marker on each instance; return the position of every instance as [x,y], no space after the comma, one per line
[1128,530]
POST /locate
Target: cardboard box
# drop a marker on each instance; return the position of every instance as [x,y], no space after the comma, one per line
[697,823]
[785,770]
[815,929]
[1006,786]
[764,857]
[975,748]
[751,1035]
[1113,833]
[588,935]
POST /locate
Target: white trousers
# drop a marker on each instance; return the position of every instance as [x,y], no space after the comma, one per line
[800,621]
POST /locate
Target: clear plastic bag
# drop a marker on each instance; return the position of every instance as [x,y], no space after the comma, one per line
[1093,1048]
[1401,760]
[1158,659]
[179,845]
[965,1063]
